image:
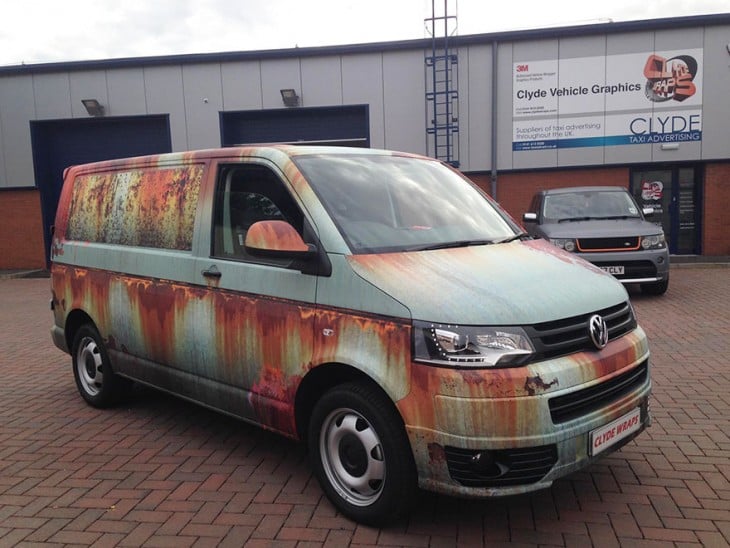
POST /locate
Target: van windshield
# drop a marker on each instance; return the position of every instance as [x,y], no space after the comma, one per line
[393,203]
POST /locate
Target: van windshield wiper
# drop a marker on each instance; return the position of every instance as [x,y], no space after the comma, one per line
[447,245]
[509,239]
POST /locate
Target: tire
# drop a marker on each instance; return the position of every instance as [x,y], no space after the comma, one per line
[95,380]
[658,288]
[361,455]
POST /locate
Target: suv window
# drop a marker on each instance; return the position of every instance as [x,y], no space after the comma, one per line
[591,204]
[535,203]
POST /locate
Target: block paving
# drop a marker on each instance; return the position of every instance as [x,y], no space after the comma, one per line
[157,471]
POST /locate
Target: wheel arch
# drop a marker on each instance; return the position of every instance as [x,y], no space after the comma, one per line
[321,379]
[75,319]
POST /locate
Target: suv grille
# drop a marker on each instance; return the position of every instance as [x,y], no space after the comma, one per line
[507,466]
[569,335]
[629,243]
[582,402]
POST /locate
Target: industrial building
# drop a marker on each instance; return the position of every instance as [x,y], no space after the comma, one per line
[639,104]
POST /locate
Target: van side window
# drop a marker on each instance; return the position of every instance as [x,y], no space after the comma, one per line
[245,195]
[146,207]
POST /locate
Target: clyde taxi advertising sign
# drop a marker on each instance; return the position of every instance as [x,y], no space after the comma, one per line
[629,99]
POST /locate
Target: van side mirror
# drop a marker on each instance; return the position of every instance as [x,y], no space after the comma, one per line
[648,211]
[529,217]
[277,239]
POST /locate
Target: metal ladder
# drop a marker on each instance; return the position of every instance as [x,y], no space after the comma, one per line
[442,93]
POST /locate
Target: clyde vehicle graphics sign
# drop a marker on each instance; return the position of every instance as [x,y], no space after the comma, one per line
[630,99]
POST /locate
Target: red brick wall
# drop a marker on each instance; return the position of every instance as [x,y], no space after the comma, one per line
[21,230]
[715,215]
[21,226]
[515,190]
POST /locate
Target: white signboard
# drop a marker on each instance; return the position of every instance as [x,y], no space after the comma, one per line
[627,99]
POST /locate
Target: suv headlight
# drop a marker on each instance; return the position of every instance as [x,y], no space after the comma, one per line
[568,244]
[470,346]
[655,241]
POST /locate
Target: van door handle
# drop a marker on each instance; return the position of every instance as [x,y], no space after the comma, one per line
[212,272]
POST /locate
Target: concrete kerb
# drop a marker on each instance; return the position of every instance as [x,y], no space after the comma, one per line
[699,261]
[20,273]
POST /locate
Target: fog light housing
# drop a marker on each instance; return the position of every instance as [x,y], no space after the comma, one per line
[655,241]
[568,244]
[486,465]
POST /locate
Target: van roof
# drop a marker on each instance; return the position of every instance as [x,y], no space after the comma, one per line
[279,152]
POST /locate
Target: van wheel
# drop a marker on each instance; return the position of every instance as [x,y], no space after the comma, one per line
[658,288]
[95,380]
[361,455]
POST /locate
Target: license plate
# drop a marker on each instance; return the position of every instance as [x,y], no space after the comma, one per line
[604,437]
[615,270]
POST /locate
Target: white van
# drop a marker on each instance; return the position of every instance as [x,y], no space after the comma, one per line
[376,305]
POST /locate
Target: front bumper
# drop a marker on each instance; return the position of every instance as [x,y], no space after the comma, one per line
[59,339]
[506,415]
[643,266]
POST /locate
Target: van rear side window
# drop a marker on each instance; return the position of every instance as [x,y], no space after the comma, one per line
[146,208]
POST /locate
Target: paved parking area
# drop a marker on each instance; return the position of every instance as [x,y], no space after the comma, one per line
[162,472]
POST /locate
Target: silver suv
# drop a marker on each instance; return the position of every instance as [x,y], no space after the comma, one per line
[605,226]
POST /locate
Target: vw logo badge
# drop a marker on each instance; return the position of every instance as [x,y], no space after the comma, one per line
[598,331]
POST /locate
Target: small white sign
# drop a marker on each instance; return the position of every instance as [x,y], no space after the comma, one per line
[604,437]
[615,270]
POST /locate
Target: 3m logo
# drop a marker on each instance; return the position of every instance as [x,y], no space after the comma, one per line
[523,68]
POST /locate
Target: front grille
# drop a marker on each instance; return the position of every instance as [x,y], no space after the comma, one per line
[581,402]
[632,269]
[628,243]
[569,335]
[508,466]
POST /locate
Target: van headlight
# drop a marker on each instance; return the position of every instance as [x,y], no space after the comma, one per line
[568,244]
[470,346]
[655,241]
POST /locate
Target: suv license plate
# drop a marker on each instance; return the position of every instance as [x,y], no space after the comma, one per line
[613,269]
[604,437]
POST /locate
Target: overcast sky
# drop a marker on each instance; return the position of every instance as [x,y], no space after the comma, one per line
[40,31]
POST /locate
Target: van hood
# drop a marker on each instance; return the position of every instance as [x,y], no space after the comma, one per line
[501,284]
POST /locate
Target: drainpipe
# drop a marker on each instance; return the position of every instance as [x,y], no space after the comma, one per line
[493,159]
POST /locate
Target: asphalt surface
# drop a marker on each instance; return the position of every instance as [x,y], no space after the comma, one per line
[158,471]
